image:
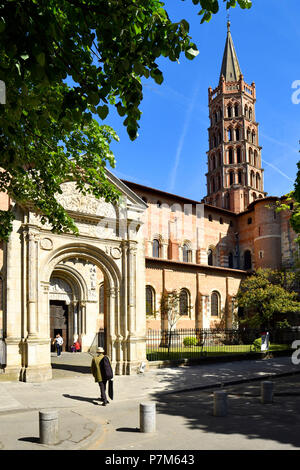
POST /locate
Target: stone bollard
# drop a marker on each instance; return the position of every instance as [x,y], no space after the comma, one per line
[147,417]
[48,422]
[267,392]
[220,403]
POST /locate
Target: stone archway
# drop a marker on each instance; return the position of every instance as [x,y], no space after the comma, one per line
[108,241]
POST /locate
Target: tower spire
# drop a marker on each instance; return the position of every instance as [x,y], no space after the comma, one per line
[230,65]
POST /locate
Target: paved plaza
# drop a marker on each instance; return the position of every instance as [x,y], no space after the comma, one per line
[184,405]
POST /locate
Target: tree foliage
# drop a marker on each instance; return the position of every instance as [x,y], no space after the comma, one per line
[265,294]
[64,63]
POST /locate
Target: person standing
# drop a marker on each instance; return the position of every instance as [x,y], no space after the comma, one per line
[58,341]
[102,372]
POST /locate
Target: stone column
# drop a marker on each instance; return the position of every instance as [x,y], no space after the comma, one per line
[131,310]
[32,285]
[74,311]
[13,308]
[111,334]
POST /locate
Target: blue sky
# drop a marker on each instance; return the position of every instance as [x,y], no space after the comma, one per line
[170,152]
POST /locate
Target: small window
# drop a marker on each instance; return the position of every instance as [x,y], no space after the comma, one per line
[186,254]
[150,300]
[247,260]
[210,218]
[215,304]
[210,257]
[155,248]
[221,220]
[231,223]
[261,254]
[249,220]
[184,302]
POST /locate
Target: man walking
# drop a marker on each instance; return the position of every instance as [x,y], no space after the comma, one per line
[102,372]
[58,341]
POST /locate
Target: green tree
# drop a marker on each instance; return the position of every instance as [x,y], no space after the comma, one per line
[265,295]
[65,62]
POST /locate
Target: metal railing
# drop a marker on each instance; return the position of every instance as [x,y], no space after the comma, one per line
[194,343]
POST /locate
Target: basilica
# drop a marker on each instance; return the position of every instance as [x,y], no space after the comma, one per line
[112,276]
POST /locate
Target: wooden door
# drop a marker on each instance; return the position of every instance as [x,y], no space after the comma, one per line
[59,321]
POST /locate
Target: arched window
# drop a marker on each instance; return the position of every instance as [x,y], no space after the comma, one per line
[253,137]
[155,248]
[150,300]
[227,201]
[184,297]
[252,178]
[250,114]
[219,159]
[210,257]
[236,110]
[254,196]
[228,111]
[230,156]
[230,260]
[213,162]
[186,254]
[213,185]
[237,134]
[229,135]
[247,260]
[215,304]
[257,181]
[250,153]
[255,158]
[240,173]
[238,155]
[231,178]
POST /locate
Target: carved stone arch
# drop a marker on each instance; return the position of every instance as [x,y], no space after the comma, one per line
[116,329]
[88,252]
[75,279]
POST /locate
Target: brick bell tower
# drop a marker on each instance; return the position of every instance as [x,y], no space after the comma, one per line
[235,175]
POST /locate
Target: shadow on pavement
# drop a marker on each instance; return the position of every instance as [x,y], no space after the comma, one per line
[128,430]
[72,368]
[247,416]
[81,398]
[35,440]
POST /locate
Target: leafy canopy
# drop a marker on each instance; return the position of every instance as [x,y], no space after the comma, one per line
[64,62]
[265,294]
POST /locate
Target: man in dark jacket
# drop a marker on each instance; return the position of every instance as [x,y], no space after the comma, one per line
[102,372]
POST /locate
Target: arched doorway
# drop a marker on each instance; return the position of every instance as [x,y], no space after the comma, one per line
[84,295]
[64,296]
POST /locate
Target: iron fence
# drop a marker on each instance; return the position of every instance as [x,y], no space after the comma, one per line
[193,343]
